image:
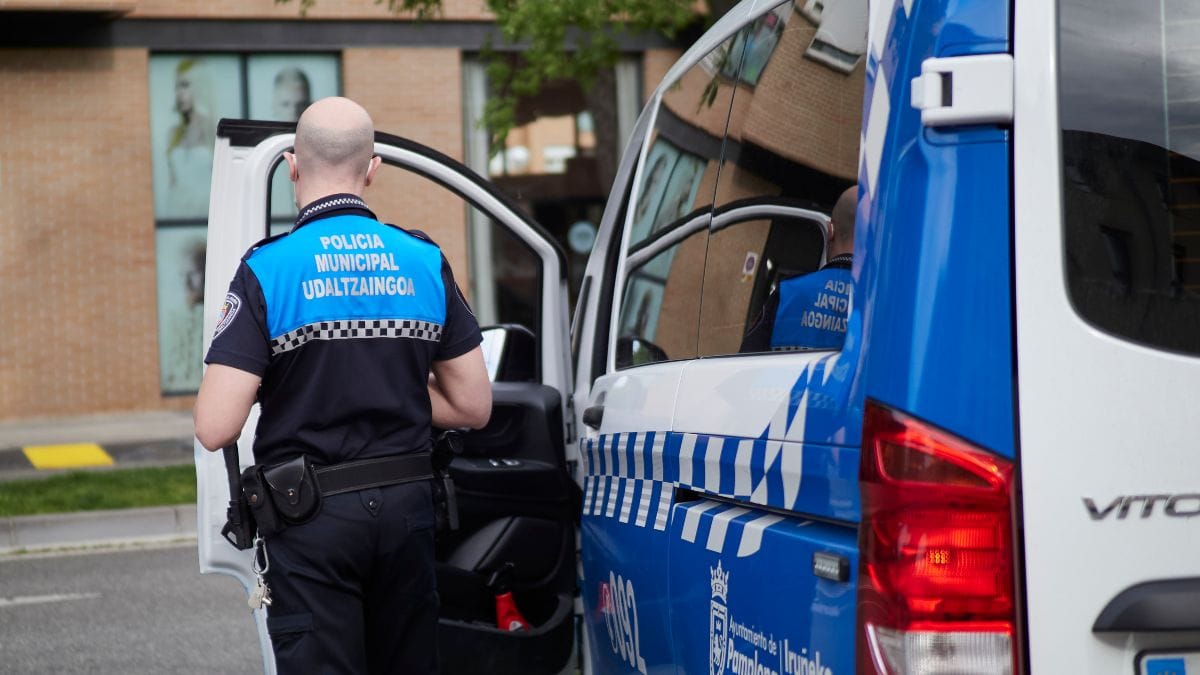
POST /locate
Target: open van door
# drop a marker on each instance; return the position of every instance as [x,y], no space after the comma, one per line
[518,504]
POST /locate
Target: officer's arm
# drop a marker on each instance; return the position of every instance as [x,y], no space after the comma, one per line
[460,392]
[223,404]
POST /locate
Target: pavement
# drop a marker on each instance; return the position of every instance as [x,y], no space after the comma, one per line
[47,446]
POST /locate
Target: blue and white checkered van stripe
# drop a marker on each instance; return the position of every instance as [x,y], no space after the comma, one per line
[882,59]
[754,471]
[752,524]
[761,471]
[644,503]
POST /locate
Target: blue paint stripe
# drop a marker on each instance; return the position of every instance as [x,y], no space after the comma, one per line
[729,459]
[671,444]
[628,449]
[601,456]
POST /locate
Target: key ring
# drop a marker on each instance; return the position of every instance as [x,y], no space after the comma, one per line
[260,545]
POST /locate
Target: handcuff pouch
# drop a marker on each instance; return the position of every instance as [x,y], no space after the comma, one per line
[292,487]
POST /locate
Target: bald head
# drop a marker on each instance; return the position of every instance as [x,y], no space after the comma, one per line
[335,139]
[843,215]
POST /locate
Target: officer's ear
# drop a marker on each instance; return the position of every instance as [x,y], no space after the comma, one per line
[372,167]
[293,172]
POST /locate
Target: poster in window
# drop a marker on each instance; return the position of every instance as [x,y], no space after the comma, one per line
[679,195]
[280,87]
[642,305]
[189,93]
[659,162]
[754,46]
[761,39]
[179,252]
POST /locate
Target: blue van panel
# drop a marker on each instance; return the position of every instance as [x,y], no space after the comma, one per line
[745,599]
[934,243]
[627,525]
[624,588]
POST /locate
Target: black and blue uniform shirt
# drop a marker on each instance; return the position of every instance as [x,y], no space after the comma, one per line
[342,318]
[806,311]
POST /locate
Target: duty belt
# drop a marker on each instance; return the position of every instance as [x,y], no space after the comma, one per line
[376,472]
[265,500]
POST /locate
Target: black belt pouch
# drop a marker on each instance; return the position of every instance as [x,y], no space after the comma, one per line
[293,487]
[266,519]
[282,494]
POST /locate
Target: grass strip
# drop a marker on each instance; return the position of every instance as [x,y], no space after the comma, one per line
[97,490]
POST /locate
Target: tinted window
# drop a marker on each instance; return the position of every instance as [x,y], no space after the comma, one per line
[661,299]
[791,151]
[748,255]
[1130,113]
[669,216]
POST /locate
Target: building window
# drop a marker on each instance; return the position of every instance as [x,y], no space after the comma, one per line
[189,93]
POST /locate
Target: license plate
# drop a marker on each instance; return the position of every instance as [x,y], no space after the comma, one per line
[1169,663]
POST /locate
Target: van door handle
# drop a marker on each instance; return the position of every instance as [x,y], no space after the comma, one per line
[1163,605]
[593,416]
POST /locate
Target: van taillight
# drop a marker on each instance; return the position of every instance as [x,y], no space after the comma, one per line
[936,552]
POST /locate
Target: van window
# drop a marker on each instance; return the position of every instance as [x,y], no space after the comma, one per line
[668,220]
[1130,115]
[791,151]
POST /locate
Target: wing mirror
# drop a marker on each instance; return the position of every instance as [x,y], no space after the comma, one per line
[633,350]
[510,353]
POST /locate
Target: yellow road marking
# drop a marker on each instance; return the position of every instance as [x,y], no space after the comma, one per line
[66,456]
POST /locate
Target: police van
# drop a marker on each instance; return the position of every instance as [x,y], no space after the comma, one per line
[994,471]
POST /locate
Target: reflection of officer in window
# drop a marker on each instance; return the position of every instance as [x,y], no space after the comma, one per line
[809,311]
[354,338]
[291,95]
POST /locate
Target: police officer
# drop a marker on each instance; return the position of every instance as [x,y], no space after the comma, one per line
[354,338]
[809,311]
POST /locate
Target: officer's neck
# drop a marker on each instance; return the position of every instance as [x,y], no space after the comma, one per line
[307,194]
[835,250]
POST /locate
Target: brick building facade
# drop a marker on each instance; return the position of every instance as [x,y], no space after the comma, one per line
[78,272]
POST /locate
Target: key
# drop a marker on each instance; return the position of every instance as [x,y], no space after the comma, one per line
[261,595]
[255,599]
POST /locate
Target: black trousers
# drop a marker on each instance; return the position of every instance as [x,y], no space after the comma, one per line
[353,590]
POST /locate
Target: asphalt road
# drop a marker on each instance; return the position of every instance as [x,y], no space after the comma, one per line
[133,611]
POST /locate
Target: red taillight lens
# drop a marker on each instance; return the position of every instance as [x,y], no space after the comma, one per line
[936,552]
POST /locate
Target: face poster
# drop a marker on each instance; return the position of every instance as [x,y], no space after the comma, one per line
[179,253]
[280,87]
[679,195]
[659,164]
[188,95]
[642,304]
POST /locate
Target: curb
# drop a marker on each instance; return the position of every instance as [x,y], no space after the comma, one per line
[21,534]
[15,465]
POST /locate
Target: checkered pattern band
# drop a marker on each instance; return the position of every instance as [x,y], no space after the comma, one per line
[326,204]
[353,329]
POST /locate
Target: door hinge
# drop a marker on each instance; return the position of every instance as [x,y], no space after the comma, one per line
[965,90]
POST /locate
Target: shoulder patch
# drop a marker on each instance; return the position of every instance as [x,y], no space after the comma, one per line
[229,309]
